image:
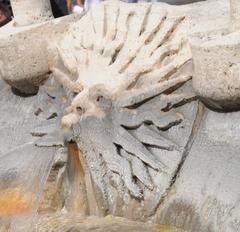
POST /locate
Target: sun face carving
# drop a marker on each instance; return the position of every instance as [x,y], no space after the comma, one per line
[124,66]
[117,46]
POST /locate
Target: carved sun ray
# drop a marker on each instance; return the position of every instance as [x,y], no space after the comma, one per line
[114,68]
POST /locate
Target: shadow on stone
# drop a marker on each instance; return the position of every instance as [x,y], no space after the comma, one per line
[23,94]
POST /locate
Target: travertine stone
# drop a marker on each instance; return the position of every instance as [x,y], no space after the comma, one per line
[143,148]
[140,49]
[206,194]
[216,78]
[27,52]
[130,73]
[235,15]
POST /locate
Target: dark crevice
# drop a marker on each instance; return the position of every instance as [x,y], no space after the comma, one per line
[51,96]
[173,88]
[114,57]
[129,17]
[158,28]
[180,2]
[118,148]
[52,116]
[169,34]
[166,148]
[145,20]
[181,103]
[20,93]
[173,71]
[171,124]
[221,106]
[38,134]
[38,111]
[167,91]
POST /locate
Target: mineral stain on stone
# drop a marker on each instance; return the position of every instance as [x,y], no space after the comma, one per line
[14,202]
[166,228]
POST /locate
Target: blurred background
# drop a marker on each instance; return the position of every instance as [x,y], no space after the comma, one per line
[65,7]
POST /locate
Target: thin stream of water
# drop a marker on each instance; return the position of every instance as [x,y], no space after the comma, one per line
[23,174]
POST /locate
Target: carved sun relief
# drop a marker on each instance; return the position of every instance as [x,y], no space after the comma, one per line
[125,67]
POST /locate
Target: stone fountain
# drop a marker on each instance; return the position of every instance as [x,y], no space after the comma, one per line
[129,110]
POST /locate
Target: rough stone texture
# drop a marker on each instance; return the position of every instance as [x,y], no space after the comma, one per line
[235,18]
[146,149]
[24,167]
[216,64]
[24,15]
[24,68]
[77,223]
[210,15]
[206,194]
[216,76]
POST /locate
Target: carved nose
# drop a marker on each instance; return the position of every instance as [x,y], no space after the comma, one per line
[70,119]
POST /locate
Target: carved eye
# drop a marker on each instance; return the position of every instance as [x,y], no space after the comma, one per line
[99,98]
[79,108]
